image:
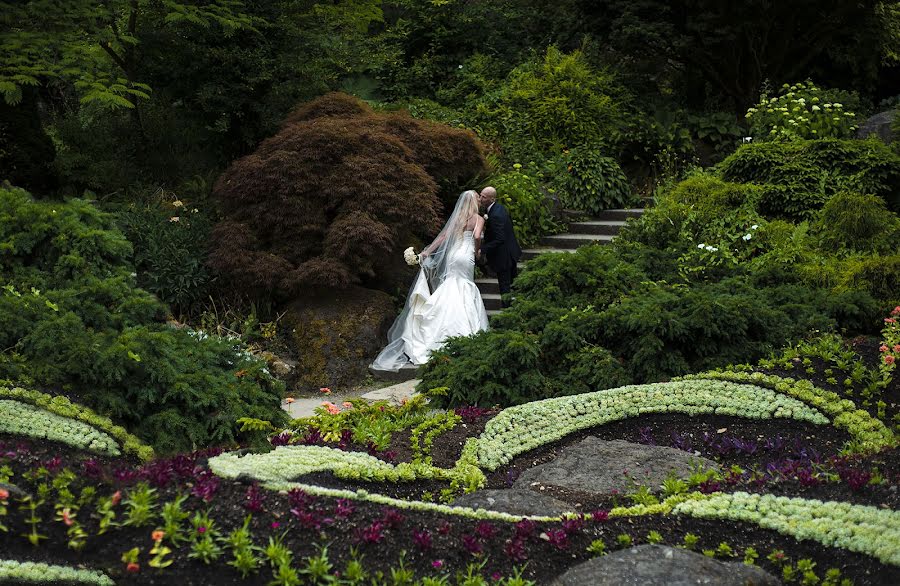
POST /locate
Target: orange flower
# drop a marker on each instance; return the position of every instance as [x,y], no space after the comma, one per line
[883,348]
[158,535]
[67,517]
[133,567]
[896,347]
[325,391]
[896,311]
[331,407]
[116,497]
[347,404]
[4,494]
[888,359]
[289,400]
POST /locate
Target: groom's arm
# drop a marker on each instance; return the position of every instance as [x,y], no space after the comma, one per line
[497,236]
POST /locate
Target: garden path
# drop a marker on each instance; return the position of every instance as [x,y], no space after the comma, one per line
[306,406]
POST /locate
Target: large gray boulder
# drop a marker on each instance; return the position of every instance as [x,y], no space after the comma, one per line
[879,125]
[514,502]
[601,467]
[660,565]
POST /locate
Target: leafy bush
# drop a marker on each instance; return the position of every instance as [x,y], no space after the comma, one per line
[489,368]
[529,207]
[72,318]
[549,104]
[596,319]
[170,240]
[590,182]
[801,175]
[804,111]
[855,222]
[334,196]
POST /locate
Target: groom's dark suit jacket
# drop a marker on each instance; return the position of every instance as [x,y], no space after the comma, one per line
[500,246]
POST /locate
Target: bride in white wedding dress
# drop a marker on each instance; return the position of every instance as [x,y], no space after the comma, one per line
[444,300]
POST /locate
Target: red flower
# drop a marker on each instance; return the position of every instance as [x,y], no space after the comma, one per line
[133,567]
[4,494]
[896,311]
[66,517]
[889,359]
[158,535]
[116,497]
[883,348]
[890,320]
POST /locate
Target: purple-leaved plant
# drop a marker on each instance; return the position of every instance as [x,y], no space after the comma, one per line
[422,539]
[205,484]
[471,544]
[254,499]
[343,508]
[485,530]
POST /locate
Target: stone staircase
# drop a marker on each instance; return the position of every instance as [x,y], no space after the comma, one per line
[600,230]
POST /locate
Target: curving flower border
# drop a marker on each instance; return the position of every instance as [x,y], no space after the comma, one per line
[40,573]
[287,462]
[18,418]
[859,528]
[63,407]
[869,433]
[518,429]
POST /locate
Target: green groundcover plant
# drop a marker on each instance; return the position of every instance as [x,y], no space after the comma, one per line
[71,317]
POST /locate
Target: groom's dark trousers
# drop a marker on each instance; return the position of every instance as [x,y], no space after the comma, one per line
[500,246]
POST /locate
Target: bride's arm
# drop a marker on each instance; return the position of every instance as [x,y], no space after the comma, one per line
[479,228]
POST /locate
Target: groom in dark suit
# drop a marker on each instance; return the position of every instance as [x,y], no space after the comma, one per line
[499,246]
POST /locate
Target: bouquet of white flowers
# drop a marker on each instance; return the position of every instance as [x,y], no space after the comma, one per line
[411,258]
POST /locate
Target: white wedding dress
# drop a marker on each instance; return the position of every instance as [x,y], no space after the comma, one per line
[453,308]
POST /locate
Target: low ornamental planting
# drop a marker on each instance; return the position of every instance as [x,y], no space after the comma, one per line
[26,420]
[518,429]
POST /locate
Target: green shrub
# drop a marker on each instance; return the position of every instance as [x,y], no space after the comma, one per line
[72,318]
[805,173]
[878,276]
[551,103]
[590,182]
[804,111]
[604,317]
[489,368]
[170,240]
[855,222]
[529,207]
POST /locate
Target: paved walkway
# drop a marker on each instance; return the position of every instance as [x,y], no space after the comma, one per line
[305,407]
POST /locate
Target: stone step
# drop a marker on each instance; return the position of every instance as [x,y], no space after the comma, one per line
[572,241]
[491,300]
[620,214]
[596,227]
[492,312]
[406,372]
[487,285]
[530,253]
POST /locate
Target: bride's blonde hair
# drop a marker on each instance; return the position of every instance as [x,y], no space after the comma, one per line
[467,209]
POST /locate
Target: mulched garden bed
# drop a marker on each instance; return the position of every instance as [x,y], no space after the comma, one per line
[381,533]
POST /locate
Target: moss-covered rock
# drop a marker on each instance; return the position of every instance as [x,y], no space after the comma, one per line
[336,334]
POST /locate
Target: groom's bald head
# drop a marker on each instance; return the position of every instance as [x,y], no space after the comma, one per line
[488,196]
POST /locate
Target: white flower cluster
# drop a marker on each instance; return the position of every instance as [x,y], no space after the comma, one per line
[15,572]
[519,429]
[27,420]
[863,529]
[63,407]
[410,256]
[870,433]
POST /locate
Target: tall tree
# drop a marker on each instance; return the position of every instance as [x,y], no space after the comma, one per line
[735,46]
[92,44]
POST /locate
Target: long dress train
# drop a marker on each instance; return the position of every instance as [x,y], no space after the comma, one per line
[454,308]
